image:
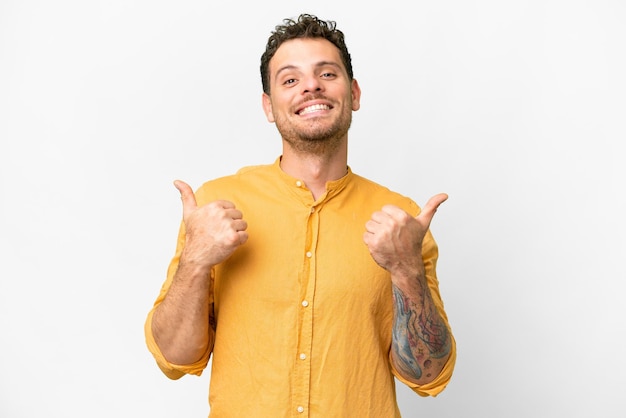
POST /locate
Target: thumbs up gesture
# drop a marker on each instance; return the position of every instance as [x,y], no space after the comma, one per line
[213,231]
[394,238]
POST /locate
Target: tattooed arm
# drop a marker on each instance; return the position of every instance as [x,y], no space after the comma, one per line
[421,342]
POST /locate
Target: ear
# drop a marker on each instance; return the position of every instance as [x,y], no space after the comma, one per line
[356,95]
[267,107]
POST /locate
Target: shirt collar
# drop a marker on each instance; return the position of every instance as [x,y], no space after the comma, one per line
[298,188]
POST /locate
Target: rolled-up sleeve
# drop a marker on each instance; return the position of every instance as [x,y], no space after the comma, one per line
[173,371]
[439,384]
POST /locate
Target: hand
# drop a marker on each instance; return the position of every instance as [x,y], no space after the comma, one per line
[394,237]
[213,231]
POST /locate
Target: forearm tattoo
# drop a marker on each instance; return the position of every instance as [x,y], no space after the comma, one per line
[419,333]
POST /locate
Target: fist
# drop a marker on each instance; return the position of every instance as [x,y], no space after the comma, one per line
[213,231]
[394,237]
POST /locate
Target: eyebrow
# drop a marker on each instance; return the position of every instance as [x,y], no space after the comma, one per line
[317,65]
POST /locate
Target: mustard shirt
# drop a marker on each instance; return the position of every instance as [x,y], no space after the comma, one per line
[303,313]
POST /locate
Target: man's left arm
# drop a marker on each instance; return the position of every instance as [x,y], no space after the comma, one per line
[421,340]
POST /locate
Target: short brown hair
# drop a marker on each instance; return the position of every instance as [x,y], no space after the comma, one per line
[307,26]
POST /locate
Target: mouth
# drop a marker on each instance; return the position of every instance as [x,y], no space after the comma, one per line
[313,108]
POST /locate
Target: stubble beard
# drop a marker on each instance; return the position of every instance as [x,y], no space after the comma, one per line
[315,139]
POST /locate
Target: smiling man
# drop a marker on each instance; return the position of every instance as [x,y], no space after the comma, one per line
[313,288]
[311,98]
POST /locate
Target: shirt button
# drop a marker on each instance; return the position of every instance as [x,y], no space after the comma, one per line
[305,303]
[309,254]
[302,356]
[298,183]
[300,409]
[313,209]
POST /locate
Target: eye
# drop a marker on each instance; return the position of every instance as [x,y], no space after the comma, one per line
[289,81]
[328,75]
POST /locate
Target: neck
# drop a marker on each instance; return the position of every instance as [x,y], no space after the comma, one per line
[315,169]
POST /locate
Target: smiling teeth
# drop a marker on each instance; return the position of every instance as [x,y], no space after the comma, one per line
[314,108]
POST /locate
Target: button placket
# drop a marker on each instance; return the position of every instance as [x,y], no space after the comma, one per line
[303,359]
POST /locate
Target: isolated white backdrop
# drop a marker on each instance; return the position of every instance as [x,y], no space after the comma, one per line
[516,109]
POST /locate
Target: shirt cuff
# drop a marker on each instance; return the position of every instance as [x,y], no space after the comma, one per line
[171,370]
[439,384]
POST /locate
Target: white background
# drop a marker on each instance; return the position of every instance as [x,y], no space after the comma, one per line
[516,109]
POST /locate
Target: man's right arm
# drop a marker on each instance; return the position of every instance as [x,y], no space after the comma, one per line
[180,323]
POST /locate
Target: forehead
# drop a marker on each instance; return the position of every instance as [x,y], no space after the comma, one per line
[304,52]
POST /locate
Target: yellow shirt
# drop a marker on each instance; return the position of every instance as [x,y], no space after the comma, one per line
[303,313]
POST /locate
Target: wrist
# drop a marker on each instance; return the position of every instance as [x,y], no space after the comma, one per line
[194,263]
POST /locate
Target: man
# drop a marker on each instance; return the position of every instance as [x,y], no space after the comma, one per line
[311,287]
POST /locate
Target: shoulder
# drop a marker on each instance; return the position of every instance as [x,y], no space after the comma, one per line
[245,180]
[380,195]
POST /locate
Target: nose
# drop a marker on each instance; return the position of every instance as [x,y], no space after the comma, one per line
[311,84]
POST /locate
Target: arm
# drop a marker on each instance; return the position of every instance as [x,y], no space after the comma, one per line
[421,340]
[180,323]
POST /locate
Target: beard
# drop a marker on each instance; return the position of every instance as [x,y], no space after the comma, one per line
[315,136]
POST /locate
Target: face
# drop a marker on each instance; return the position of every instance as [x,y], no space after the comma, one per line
[311,97]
